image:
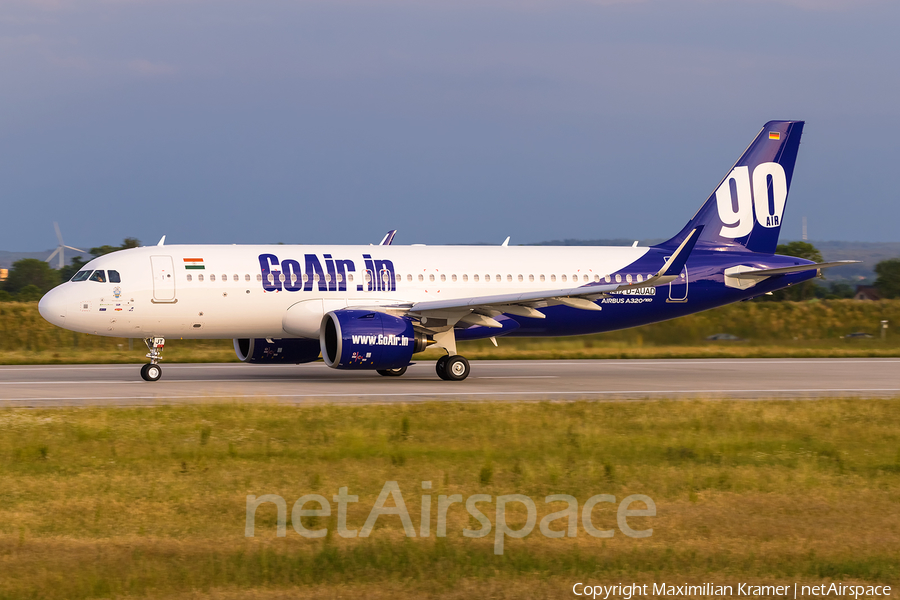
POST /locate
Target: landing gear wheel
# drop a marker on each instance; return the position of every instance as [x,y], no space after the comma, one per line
[151,372]
[456,368]
[392,372]
[441,367]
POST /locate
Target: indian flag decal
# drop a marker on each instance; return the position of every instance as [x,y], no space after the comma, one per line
[194,264]
[774,135]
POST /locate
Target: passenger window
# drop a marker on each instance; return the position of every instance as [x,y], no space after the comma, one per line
[399,277]
[453,277]
[224,278]
[316,277]
[421,278]
[607,279]
[628,278]
[618,278]
[236,278]
[305,278]
[269,277]
[521,279]
[200,277]
[293,278]
[443,277]
[543,278]
[98,276]
[340,278]
[499,278]
[553,278]
[349,277]
[487,278]
[431,277]
[213,278]
[81,275]
[465,278]
[409,277]
[475,277]
[586,278]
[258,277]
[596,279]
[509,277]
[328,277]
[114,277]
[189,277]
[247,277]
[531,278]
[562,277]
[640,278]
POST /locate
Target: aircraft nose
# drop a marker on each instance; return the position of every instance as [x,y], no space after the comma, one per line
[53,307]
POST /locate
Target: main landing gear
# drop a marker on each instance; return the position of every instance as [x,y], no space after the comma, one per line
[152,371]
[392,372]
[452,368]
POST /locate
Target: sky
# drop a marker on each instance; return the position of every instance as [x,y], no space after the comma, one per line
[453,121]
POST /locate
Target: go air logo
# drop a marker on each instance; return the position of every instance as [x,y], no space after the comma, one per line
[737,204]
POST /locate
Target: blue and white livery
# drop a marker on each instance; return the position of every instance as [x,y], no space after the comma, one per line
[374,307]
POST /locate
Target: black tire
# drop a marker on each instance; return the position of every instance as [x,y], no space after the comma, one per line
[392,372]
[457,368]
[151,372]
[441,367]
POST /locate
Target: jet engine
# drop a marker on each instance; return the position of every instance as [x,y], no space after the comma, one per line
[362,339]
[280,351]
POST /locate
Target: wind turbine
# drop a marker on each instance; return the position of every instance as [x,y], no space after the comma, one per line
[61,248]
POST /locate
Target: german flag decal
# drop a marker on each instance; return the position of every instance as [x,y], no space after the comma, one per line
[194,264]
[774,135]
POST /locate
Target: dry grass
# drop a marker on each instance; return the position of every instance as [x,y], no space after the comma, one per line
[151,502]
[773,329]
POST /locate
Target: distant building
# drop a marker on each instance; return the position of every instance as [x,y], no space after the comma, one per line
[4,273]
[866,292]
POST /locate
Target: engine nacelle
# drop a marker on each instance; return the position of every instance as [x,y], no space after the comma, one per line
[362,339]
[282,351]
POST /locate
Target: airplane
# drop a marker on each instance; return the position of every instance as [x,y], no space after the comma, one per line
[374,307]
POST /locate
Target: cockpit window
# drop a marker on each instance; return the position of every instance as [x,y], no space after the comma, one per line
[98,276]
[81,276]
[114,276]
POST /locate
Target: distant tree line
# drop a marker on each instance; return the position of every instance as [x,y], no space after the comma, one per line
[30,278]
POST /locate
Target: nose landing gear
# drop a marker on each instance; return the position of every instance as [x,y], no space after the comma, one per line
[152,371]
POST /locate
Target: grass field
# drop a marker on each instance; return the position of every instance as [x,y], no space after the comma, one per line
[151,502]
[768,329]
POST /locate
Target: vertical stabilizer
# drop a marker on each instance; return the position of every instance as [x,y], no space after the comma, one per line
[746,209]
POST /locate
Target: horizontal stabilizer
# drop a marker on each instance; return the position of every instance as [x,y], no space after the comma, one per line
[763,273]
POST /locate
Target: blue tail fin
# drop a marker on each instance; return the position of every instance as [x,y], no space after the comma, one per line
[745,211]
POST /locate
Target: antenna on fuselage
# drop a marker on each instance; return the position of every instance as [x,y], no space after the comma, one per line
[162,241]
[506,241]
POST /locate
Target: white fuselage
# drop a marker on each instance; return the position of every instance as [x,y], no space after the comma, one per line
[217,291]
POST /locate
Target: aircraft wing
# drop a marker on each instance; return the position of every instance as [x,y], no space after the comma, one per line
[763,273]
[525,304]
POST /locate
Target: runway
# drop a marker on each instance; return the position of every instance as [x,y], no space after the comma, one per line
[563,380]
